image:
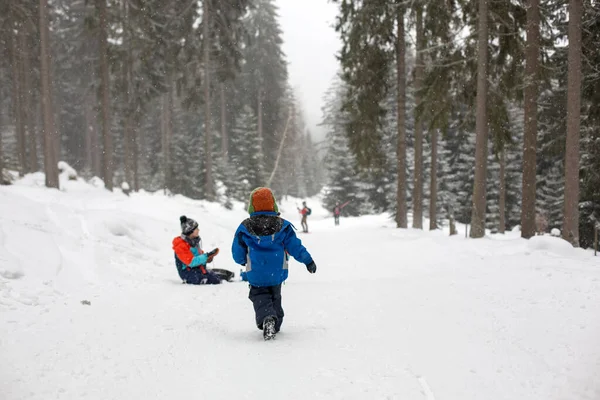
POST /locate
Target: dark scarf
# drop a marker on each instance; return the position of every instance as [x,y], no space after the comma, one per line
[193,242]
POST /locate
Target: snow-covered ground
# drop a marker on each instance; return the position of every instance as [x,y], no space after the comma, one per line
[91,307]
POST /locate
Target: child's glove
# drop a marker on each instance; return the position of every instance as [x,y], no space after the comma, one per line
[312,267]
[244,275]
[202,258]
[211,254]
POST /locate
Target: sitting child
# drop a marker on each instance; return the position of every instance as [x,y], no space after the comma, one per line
[189,258]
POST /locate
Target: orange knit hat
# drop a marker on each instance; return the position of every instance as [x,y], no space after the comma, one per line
[262,199]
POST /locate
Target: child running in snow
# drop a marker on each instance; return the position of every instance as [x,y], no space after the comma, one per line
[263,244]
[189,258]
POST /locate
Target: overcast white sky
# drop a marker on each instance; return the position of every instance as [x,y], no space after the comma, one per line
[310,44]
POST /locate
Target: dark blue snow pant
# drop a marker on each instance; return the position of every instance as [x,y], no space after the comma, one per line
[195,277]
[267,303]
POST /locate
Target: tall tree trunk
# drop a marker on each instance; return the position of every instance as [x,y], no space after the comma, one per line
[401,221]
[532,52]
[128,156]
[33,141]
[167,133]
[433,182]
[260,112]
[28,103]
[104,95]
[128,129]
[17,69]
[57,124]
[208,183]
[92,128]
[39,119]
[1,158]
[89,132]
[502,200]
[571,214]
[481,147]
[1,129]
[224,138]
[50,158]
[418,178]
[25,94]
[127,77]
[136,152]
[128,89]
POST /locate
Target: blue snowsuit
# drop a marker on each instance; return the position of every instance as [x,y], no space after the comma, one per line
[263,244]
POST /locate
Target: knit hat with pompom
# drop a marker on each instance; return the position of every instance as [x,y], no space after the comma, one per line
[188,225]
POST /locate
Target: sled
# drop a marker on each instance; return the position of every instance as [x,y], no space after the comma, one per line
[224,274]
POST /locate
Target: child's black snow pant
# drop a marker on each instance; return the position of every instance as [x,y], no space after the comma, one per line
[194,276]
[267,303]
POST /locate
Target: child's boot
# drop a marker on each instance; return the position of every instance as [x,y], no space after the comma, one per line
[269,328]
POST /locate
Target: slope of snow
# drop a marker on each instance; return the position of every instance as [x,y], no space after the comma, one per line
[91,307]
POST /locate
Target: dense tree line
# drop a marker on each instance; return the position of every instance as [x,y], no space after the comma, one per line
[188,97]
[486,112]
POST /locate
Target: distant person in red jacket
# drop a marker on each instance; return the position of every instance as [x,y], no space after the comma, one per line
[190,259]
[337,210]
[305,212]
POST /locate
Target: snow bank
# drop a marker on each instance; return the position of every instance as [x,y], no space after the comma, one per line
[552,245]
[67,171]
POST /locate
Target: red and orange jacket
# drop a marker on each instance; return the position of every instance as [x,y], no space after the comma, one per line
[187,257]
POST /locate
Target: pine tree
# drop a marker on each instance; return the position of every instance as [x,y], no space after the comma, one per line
[206,31]
[312,165]
[426,154]
[493,189]
[551,196]
[461,144]
[514,167]
[446,199]
[246,157]
[19,26]
[389,133]
[373,39]
[148,57]
[342,185]
[264,73]
[74,49]
[444,66]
